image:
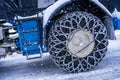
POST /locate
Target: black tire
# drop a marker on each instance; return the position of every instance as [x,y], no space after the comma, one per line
[58,36]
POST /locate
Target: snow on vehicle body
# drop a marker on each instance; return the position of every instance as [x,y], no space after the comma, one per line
[75,32]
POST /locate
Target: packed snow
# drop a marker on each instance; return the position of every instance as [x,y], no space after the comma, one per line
[16,67]
[28,17]
[7,24]
[116,14]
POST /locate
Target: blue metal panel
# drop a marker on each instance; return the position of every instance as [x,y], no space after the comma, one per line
[30,37]
[116,23]
[29,25]
[32,49]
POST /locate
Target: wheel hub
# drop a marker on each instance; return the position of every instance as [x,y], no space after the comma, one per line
[80,43]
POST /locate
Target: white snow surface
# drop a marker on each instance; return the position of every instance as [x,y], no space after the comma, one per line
[116,14]
[16,67]
[29,17]
[7,24]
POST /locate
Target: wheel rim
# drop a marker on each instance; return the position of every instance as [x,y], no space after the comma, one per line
[80,43]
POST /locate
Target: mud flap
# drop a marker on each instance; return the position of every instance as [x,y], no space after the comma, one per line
[110,27]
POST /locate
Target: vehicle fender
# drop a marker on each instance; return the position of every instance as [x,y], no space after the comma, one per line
[51,10]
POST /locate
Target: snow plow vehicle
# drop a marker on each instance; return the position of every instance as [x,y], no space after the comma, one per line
[74,32]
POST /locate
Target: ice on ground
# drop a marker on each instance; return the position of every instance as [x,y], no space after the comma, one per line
[16,67]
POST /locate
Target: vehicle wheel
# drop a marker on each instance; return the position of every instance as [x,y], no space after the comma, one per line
[77,41]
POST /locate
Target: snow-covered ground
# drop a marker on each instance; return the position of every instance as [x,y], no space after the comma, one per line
[16,67]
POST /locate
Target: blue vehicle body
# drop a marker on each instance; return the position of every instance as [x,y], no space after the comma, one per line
[116,23]
[30,37]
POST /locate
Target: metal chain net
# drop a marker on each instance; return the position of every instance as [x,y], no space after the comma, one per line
[59,33]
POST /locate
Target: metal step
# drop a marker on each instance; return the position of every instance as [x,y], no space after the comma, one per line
[36,57]
[33,43]
[28,56]
[29,38]
[30,31]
